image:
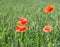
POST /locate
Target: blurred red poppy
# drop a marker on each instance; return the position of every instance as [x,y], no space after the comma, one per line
[21,28]
[47,29]
[23,21]
[49,9]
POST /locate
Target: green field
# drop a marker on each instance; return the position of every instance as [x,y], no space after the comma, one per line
[33,10]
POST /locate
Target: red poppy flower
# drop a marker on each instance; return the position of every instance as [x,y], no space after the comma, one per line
[21,28]
[49,9]
[23,21]
[47,29]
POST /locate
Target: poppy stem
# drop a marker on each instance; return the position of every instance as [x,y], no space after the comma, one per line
[16,39]
[46,20]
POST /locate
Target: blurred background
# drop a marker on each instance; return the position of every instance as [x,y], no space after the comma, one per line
[33,10]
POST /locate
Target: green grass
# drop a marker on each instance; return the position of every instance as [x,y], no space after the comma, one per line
[33,10]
